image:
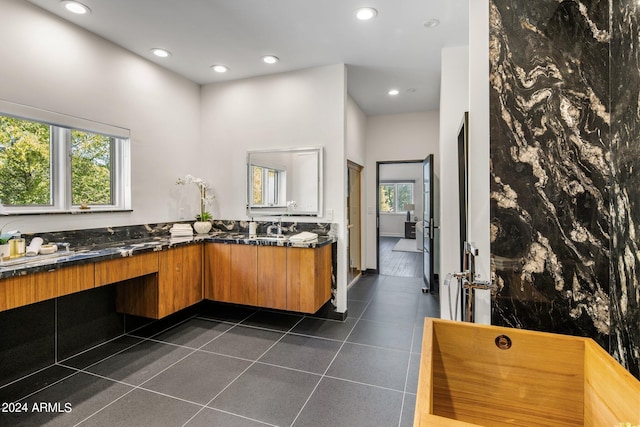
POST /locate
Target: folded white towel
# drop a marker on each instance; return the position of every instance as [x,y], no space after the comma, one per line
[181,233]
[180,226]
[305,236]
[34,246]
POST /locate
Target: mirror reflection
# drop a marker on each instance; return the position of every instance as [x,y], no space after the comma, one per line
[285,182]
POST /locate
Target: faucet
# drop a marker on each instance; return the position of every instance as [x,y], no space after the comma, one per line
[278,227]
[469,282]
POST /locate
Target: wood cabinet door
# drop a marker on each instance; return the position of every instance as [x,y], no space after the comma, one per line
[243,274]
[217,273]
[308,278]
[179,278]
[272,277]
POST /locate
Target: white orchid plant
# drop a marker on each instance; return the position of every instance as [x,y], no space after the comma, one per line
[205,199]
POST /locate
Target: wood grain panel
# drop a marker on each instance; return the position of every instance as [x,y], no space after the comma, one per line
[179,278]
[73,279]
[308,278]
[612,394]
[217,273]
[474,381]
[272,277]
[138,296]
[23,290]
[119,269]
[243,276]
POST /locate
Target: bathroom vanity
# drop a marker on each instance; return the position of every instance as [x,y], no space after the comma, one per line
[155,277]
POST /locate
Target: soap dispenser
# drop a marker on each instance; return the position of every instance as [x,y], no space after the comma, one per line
[253,228]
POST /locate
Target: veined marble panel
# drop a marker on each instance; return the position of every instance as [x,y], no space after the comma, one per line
[625,188]
[550,165]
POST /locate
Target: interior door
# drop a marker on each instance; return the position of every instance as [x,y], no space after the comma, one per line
[427,223]
[354,226]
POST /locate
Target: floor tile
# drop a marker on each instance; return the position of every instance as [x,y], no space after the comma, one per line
[342,403]
[19,389]
[193,333]
[272,320]
[395,336]
[371,365]
[198,377]
[244,342]
[210,417]
[140,362]
[77,397]
[390,312]
[268,393]
[412,376]
[101,352]
[143,408]
[416,346]
[360,294]
[302,352]
[355,308]
[408,410]
[325,328]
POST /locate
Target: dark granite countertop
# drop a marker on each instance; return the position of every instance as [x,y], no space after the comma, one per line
[124,248]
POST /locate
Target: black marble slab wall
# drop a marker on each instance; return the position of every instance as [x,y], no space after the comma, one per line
[562,192]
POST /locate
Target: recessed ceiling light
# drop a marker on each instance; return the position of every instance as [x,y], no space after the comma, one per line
[366,13]
[270,59]
[75,7]
[160,53]
[393,92]
[431,23]
[220,68]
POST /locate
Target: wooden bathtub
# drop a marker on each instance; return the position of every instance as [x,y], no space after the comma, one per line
[542,379]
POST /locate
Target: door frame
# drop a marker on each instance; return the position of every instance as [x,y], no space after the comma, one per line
[353,166]
[378,164]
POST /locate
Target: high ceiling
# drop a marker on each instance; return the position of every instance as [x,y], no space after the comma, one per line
[394,50]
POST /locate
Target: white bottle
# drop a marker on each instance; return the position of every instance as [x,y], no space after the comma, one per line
[253,228]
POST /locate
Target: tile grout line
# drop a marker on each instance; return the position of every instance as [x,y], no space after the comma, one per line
[245,370]
[324,374]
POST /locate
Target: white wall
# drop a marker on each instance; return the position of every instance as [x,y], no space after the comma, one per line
[53,65]
[305,108]
[479,208]
[395,137]
[454,101]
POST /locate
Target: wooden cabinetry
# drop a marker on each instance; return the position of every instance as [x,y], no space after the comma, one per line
[179,278]
[272,277]
[177,284]
[285,278]
[23,290]
[231,273]
[119,269]
[308,278]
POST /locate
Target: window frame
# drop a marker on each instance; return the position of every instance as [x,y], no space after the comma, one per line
[271,186]
[395,183]
[60,158]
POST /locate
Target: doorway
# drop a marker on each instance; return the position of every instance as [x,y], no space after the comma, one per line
[399,210]
[354,220]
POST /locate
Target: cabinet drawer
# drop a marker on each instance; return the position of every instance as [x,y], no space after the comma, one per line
[117,270]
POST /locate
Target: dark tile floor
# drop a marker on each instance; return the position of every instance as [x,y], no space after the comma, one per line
[233,366]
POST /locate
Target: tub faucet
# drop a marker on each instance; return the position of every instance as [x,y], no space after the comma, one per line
[469,282]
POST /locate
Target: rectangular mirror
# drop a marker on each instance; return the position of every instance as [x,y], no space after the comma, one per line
[285,182]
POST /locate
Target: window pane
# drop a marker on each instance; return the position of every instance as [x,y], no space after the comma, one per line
[272,188]
[91,168]
[405,195]
[25,162]
[387,197]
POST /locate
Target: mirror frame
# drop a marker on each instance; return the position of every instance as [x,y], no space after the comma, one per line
[285,211]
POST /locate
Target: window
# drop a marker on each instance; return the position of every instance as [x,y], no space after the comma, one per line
[394,195]
[267,186]
[56,168]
